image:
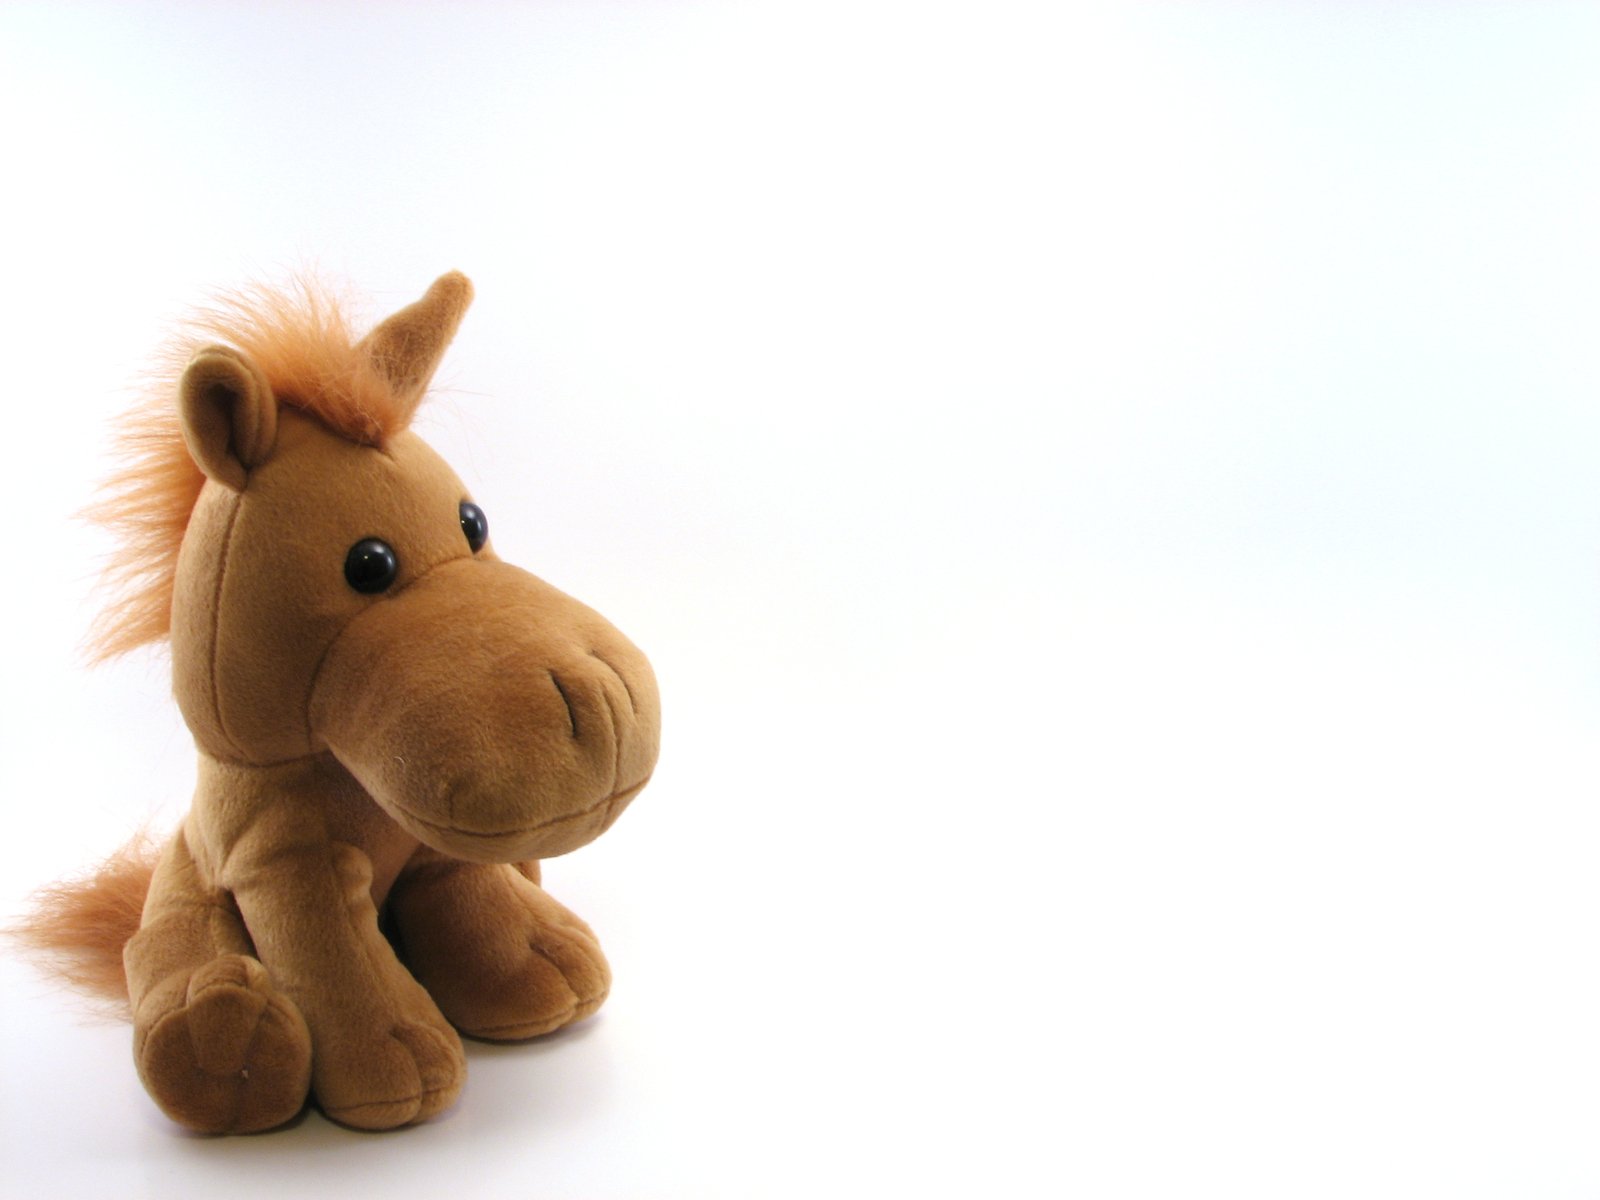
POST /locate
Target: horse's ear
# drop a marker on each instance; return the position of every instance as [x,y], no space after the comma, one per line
[229,414]
[407,347]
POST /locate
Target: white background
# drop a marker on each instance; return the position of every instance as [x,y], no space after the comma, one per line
[1112,495]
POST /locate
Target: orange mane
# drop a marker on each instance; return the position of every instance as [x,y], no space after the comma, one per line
[301,339]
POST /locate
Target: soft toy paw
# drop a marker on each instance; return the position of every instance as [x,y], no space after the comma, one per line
[503,959]
[233,1056]
[382,1078]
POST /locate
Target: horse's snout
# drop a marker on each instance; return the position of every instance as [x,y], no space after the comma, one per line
[611,715]
[521,732]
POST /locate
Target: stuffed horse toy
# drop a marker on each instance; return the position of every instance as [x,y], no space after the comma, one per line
[393,727]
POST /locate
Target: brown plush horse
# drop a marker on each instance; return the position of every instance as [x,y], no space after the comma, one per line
[391,723]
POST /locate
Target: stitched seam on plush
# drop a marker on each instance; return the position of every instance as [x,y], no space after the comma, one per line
[633,703]
[525,829]
[242,1090]
[543,1025]
[216,624]
[616,741]
[422,1095]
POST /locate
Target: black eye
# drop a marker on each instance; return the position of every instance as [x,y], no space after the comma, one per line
[370,566]
[474,524]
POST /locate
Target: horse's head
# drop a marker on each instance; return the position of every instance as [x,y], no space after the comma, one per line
[336,591]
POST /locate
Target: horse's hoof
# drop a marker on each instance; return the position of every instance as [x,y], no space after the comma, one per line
[406,1076]
[562,977]
[235,1058]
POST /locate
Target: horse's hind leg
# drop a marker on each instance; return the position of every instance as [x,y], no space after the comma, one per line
[501,958]
[217,1046]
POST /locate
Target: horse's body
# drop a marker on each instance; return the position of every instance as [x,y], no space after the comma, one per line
[390,720]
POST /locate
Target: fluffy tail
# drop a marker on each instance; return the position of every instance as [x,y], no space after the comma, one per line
[77,929]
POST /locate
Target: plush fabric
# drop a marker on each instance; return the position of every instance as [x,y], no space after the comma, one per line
[408,752]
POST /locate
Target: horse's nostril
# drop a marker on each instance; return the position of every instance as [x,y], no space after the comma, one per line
[572,713]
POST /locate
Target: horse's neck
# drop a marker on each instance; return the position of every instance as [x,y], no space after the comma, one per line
[245,818]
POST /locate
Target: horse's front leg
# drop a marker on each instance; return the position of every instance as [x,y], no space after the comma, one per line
[502,958]
[383,1055]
